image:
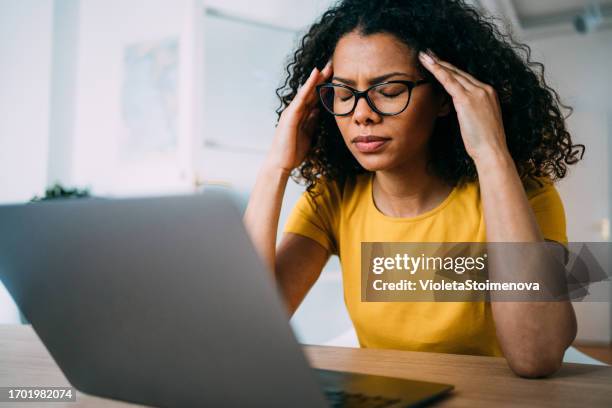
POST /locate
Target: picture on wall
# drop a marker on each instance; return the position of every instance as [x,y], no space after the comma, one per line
[149,99]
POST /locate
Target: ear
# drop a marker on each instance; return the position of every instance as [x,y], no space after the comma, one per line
[446,105]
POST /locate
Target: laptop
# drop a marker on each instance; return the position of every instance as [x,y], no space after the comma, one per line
[164,302]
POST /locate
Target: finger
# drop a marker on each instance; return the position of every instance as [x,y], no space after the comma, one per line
[327,69]
[322,74]
[448,80]
[306,88]
[454,71]
[307,96]
[322,77]
[469,82]
[472,84]
[312,101]
[458,71]
[465,82]
[311,118]
[310,123]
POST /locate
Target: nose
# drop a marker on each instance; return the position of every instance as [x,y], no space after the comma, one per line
[364,114]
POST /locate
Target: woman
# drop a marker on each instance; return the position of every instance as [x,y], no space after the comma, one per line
[458,146]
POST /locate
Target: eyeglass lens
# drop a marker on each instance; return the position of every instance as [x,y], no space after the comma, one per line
[387,98]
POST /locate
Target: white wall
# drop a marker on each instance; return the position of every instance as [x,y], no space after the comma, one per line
[290,14]
[99,75]
[25,61]
[578,67]
[106,28]
[64,60]
[25,58]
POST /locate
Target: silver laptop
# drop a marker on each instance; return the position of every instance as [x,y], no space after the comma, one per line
[164,302]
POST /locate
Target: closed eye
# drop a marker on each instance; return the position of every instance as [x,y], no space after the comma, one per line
[391,94]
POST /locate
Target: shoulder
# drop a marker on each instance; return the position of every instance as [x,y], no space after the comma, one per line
[538,187]
[325,191]
[341,191]
[547,207]
[534,184]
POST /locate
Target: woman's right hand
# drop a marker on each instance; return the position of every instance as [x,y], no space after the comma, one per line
[296,124]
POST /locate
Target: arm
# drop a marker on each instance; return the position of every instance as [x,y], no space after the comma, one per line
[533,335]
[263,211]
[299,261]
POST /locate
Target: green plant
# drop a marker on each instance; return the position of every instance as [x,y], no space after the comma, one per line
[58,191]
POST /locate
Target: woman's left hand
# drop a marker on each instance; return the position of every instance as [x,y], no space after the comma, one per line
[477,107]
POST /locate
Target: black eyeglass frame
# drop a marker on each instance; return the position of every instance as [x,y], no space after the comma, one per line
[364,94]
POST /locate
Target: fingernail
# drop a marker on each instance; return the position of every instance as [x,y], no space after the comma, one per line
[328,64]
[426,58]
[313,71]
[432,54]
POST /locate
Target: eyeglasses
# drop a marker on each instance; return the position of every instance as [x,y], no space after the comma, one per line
[387,98]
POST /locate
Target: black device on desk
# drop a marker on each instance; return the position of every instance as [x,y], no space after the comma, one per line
[164,301]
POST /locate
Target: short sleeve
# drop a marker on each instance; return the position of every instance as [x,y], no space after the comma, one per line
[317,218]
[548,210]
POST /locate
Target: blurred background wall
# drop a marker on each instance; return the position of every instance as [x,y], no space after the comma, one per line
[132,98]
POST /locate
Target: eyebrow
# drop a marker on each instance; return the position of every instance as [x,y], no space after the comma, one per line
[374,80]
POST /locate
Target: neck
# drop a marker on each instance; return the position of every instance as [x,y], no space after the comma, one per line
[408,191]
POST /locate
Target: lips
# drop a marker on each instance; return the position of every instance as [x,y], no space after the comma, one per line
[368,139]
[369,144]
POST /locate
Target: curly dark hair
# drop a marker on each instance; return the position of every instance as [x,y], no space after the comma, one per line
[536,135]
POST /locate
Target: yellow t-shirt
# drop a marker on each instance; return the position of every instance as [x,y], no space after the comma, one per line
[347,216]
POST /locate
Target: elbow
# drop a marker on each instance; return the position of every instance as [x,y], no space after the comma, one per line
[537,356]
[536,364]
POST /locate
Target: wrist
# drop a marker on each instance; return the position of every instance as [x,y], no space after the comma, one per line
[273,170]
[493,159]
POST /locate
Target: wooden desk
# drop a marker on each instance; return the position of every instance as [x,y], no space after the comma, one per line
[479,381]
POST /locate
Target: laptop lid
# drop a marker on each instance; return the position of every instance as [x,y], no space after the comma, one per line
[159,301]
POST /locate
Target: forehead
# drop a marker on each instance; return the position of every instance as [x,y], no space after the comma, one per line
[356,53]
